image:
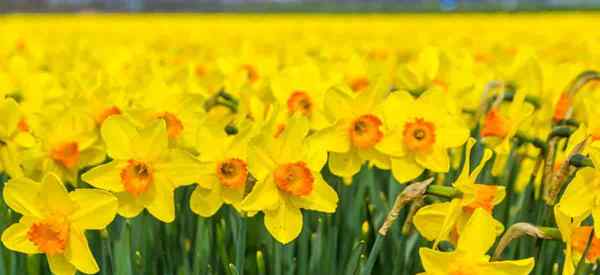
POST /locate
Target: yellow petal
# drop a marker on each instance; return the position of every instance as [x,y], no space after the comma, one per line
[15,238]
[405,169]
[451,137]
[334,138]
[119,135]
[153,142]
[337,104]
[260,163]
[436,262]
[322,198]
[95,208]
[437,160]
[20,194]
[181,168]
[55,195]
[78,253]
[9,160]
[381,160]
[93,155]
[10,114]
[519,267]
[60,266]
[479,234]
[293,138]
[162,206]
[429,219]
[392,144]
[24,139]
[578,197]
[206,202]
[264,195]
[233,195]
[284,223]
[129,206]
[367,101]
[106,176]
[344,164]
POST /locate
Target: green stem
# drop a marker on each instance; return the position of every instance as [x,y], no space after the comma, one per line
[241,245]
[444,191]
[551,232]
[373,255]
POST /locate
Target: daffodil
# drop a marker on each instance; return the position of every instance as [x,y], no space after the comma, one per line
[445,220]
[582,195]
[357,129]
[287,169]
[300,89]
[469,257]
[419,133]
[14,136]
[68,143]
[181,112]
[575,236]
[54,222]
[144,171]
[225,169]
[500,126]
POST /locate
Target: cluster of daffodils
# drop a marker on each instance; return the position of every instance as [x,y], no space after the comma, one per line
[101,121]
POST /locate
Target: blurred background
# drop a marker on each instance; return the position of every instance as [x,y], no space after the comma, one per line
[9,6]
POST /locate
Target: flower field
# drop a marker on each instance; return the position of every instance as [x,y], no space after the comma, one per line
[461,144]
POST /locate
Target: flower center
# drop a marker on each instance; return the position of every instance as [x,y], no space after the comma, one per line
[232,173]
[200,71]
[23,126]
[102,116]
[579,239]
[299,101]
[562,107]
[419,135]
[359,84]
[440,83]
[50,235]
[294,178]
[365,132]
[66,154]
[251,72]
[484,199]
[174,125]
[136,177]
[495,124]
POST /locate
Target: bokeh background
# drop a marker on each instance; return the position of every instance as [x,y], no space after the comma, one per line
[8,6]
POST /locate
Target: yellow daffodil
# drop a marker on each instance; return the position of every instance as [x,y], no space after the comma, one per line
[357,130]
[470,257]
[68,144]
[14,136]
[582,195]
[287,169]
[444,221]
[54,222]
[225,170]
[419,133]
[499,127]
[575,236]
[144,171]
[301,90]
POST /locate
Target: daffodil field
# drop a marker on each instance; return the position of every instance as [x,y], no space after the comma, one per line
[300,144]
